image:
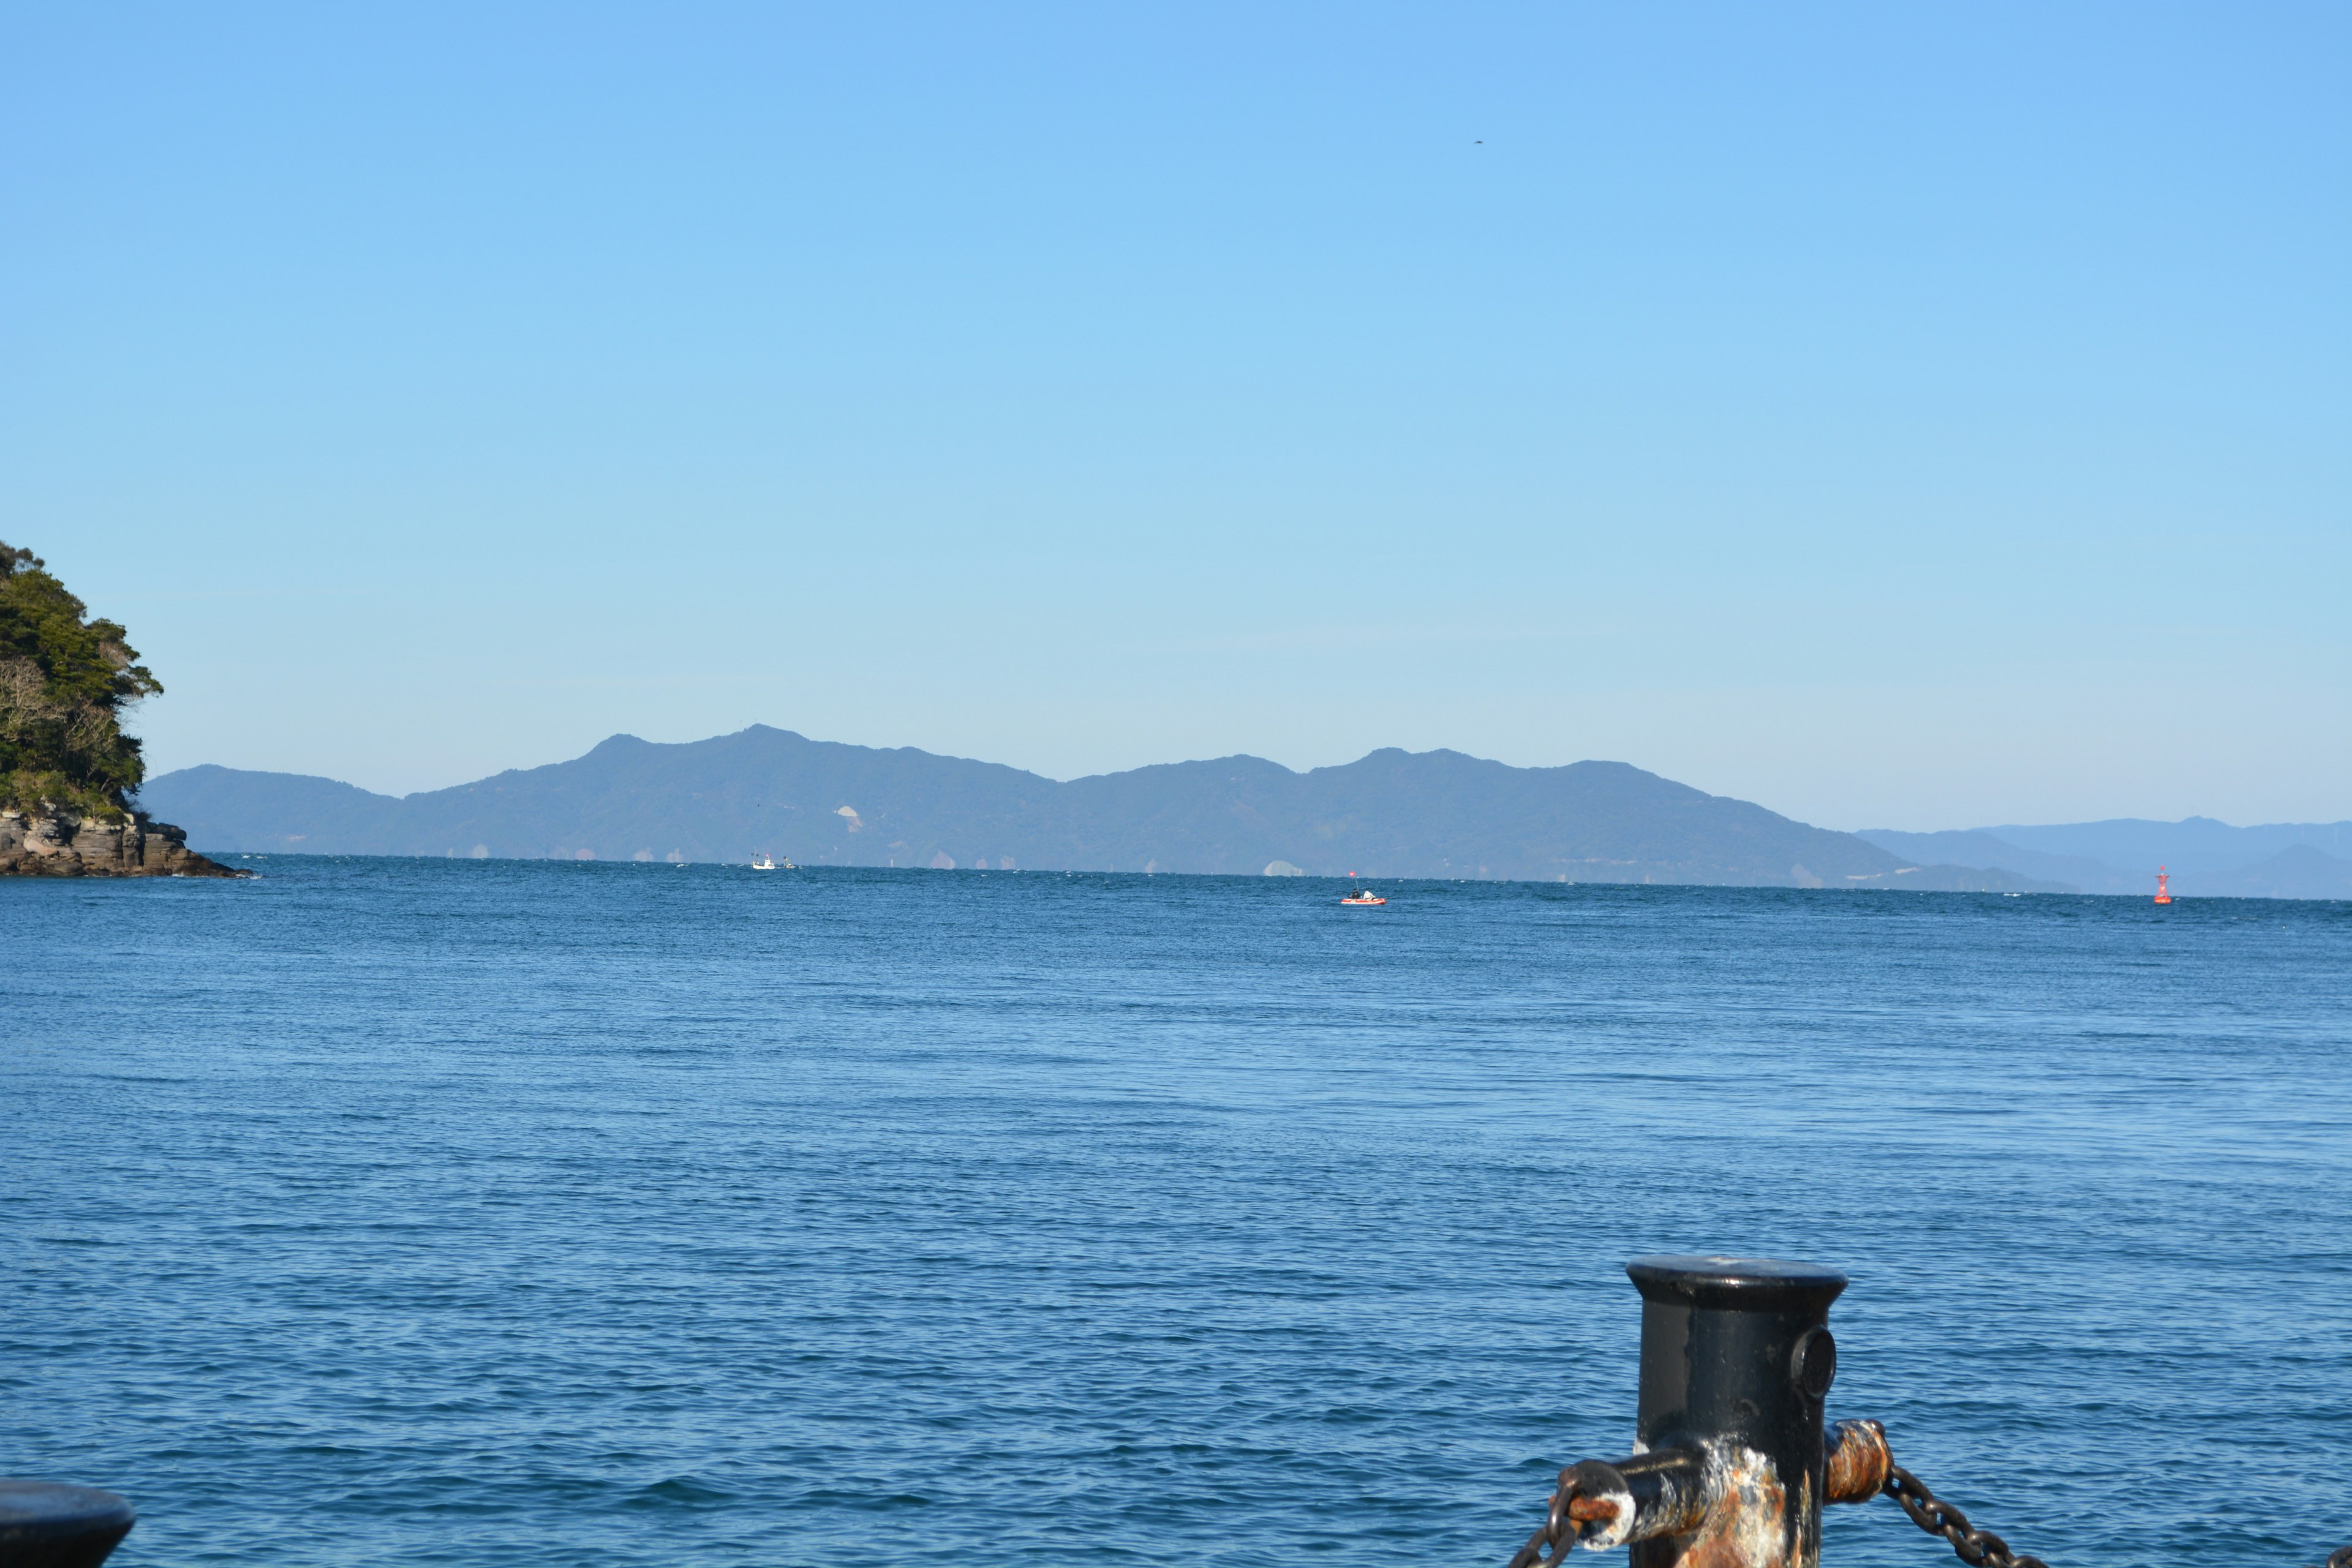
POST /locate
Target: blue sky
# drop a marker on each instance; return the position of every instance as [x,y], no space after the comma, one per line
[1901,416]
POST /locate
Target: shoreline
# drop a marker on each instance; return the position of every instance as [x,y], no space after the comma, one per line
[51,841]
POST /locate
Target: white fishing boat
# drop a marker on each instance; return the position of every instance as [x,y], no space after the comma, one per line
[761,863]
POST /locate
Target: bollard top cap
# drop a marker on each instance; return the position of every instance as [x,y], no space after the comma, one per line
[1738,1284]
[40,1511]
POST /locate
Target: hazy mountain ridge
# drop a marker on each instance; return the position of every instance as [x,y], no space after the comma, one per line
[1390,813]
[2278,860]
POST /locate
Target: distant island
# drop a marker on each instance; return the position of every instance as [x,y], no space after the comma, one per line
[1391,814]
[2206,859]
[67,770]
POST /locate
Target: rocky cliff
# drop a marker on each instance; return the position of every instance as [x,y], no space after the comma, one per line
[52,842]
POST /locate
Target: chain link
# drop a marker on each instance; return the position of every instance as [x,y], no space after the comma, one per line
[1557,1532]
[1976,1547]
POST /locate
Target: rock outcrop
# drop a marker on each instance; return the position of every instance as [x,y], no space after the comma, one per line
[52,842]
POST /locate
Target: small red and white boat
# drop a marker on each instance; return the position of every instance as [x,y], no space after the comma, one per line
[1364,899]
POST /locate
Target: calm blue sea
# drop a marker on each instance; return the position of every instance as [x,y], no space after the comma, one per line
[503,1212]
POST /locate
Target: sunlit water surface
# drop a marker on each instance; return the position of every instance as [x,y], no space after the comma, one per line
[411,1212]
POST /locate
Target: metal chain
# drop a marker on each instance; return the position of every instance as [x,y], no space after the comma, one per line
[1557,1532]
[1936,1517]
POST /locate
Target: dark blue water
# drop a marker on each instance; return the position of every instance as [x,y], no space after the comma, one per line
[412,1212]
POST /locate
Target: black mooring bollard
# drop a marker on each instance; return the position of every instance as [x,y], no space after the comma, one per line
[45,1525]
[1735,1463]
[1735,1360]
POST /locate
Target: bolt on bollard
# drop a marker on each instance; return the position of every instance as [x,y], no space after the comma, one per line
[45,1525]
[1735,1460]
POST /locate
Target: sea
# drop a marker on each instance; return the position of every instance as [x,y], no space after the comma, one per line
[488,1213]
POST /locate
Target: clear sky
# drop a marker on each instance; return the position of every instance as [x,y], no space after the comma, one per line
[1903,415]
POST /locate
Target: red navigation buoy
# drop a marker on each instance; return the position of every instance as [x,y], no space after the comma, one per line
[2163,886]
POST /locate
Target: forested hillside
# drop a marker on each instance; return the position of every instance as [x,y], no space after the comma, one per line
[65,681]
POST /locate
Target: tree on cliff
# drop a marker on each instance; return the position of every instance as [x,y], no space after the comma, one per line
[65,681]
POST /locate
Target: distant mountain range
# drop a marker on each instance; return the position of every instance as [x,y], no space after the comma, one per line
[1392,814]
[2279,860]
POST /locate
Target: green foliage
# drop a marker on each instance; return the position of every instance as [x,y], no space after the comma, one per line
[65,681]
